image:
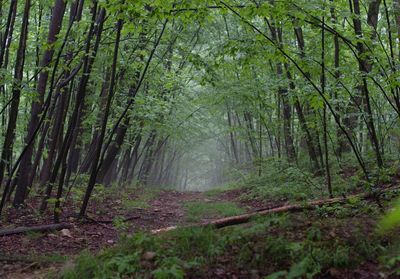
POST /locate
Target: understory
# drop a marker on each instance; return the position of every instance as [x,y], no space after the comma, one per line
[117,240]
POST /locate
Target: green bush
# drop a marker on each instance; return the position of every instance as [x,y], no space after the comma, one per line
[280,180]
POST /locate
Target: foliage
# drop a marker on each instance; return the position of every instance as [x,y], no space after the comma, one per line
[392,219]
[280,180]
[391,259]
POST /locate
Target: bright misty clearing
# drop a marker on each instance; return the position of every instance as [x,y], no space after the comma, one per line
[200,139]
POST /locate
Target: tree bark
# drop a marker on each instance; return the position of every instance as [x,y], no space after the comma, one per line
[25,168]
[342,144]
[95,28]
[95,170]
[6,155]
[9,28]
[232,137]
[62,104]
[276,34]
[365,68]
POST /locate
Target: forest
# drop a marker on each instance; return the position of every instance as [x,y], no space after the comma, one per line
[200,139]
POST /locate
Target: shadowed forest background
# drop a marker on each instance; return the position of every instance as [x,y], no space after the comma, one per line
[155,126]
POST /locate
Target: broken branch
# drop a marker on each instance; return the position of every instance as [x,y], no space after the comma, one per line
[40,228]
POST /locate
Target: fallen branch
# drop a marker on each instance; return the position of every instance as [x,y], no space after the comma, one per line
[13,259]
[244,218]
[41,228]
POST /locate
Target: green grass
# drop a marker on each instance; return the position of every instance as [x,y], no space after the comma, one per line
[198,210]
[278,244]
[222,188]
[144,196]
[215,191]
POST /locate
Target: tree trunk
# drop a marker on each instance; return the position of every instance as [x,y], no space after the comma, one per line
[365,67]
[8,31]
[6,155]
[342,144]
[232,137]
[276,34]
[96,28]
[95,170]
[25,168]
[61,105]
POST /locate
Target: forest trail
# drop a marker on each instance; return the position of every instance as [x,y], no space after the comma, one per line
[38,255]
[33,254]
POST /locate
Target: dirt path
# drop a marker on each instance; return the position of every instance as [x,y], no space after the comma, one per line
[36,255]
[31,252]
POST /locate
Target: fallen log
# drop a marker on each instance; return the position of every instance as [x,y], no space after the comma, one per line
[40,228]
[244,218]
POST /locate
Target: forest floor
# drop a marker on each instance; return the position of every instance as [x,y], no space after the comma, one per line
[31,255]
[36,255]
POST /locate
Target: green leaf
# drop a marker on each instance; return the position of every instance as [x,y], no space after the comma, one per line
[392,219]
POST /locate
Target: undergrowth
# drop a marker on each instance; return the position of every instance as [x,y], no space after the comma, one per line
[281,180]
[295,245]
[142,198]
[277,246]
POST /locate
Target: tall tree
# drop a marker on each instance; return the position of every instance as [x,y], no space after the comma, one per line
[25,170]
[7,151]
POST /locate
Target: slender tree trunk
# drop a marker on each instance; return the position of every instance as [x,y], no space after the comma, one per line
[113,149]
[365,67]
[61,105]
[25,168]
[276,34]
[248,118]
[134,158]
[232,137]
[95,170]
[8,31]
[342,144]
[312,136]
[56,134]
[396,9]
[86,163]
[395,92]
[4,53]
[125,165]
[147,158]
[121,131]
[312,152]
[95,28]
[6,155]
[75,143]
[287,131]
[325,122]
